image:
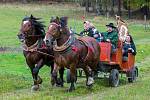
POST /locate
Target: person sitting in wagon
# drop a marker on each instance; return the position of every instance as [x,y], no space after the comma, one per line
[111,36]
[128,46]
[90,30]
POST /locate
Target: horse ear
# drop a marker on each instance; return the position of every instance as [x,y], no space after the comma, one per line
[51,19]
[54,19]
[57,18]
[31,16]
[64,21]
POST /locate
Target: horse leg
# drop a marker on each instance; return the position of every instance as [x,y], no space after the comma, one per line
[31,66]
[38,66]
[36,78]
[54,74]
[52,67]
[60,81]
[35,86]
[72,77]
[89,76]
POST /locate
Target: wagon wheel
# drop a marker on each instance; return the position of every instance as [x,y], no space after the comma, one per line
[80,72]
[68,76]
[114,78]
[132,75]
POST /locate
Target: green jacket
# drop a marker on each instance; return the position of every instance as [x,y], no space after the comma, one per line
[113,36]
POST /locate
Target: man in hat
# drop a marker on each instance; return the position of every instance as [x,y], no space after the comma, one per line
[111,35]
[90,30]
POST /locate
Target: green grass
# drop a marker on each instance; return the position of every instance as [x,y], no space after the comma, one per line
[15,76]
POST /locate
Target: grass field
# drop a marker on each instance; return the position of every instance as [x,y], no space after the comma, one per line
[15,77]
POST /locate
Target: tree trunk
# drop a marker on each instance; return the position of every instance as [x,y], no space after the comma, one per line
[100,7]
[119,7]
[24,1]
[129,10]
[112,7]
[87,5]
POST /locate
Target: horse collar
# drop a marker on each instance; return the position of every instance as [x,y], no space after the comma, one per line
[65,45]
[31,48]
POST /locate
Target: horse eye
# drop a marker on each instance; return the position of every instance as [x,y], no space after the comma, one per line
[29,25]
[54,29]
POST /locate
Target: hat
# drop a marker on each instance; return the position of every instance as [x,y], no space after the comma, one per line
[86,22]
[111,25]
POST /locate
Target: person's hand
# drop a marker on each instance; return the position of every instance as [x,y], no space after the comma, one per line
[95,36]
[129,48]
[108,40]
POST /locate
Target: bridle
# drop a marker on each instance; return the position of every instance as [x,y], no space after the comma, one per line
[65,45]
[32,48]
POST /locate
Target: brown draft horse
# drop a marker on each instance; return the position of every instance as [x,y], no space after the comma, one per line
[71,52]
[37,55]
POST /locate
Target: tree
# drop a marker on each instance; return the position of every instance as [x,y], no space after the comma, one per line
[119,7]
[112,7]
[129,10]
[87,5]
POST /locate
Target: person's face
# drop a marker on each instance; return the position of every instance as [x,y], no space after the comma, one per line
[109,29]
[128,39]
[86,26]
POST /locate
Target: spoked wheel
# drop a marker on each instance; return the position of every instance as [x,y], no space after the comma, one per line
[68,76]
[114,78]
[80,72]
[132,75]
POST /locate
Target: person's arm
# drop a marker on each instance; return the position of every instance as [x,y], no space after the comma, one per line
[133,49]
[82,33]
[114,38]
[96,34]
[104,36]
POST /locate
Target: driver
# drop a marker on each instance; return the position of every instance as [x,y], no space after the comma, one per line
[111,36]
[90,30]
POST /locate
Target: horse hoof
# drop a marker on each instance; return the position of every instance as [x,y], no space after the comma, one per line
[90,81]
[90,86]
[70,89]
[59,85]
[39,80]
[35,88]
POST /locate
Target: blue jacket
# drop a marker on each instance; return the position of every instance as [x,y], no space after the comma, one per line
[127,46]
[92,32]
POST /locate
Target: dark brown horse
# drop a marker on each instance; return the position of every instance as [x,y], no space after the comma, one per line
[37,55]
[71,52]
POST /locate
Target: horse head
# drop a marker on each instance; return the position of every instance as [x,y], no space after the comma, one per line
[56,28]
[30,26]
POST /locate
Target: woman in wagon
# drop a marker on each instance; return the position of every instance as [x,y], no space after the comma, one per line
[111,36]
[90,30]
[128,46]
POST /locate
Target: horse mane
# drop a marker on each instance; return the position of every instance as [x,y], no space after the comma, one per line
[62,21]
[38,25]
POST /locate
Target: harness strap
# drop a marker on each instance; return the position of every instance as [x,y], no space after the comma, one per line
[90,50]
[31,48]
[65,45]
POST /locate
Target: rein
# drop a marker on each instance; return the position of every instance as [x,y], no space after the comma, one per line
[44,53]
[33,48]
[35,35]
